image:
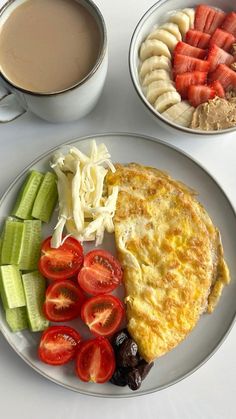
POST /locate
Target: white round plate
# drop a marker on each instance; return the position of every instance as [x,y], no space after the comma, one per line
[211,329]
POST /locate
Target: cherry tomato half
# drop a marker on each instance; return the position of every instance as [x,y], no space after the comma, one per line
[63,301]
[95,360]
[58,345]
[103,314]
[101,273]
[63,262]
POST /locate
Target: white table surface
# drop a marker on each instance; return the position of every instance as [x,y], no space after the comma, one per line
[210,392]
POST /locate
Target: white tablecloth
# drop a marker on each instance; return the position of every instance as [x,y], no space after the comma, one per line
[210,392]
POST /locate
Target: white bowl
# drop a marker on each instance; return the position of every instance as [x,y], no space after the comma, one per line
[156,15]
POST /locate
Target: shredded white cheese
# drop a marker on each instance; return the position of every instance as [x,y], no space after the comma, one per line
[83,208]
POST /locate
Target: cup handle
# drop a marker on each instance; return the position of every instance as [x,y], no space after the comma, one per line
[10,109]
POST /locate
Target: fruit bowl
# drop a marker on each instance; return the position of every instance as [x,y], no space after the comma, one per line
[158,15]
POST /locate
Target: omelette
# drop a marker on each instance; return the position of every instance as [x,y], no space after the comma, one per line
[171,254]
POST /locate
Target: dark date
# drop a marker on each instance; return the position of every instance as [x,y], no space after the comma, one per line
[131,368]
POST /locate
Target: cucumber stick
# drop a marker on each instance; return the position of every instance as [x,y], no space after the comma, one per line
[46,198]
[27,195]
[12,291]
[1,242]
[17,318]
[31,245]
[34,286]
[12,242]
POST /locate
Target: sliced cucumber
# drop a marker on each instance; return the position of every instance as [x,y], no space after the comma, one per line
[27,195]
[31,245]
[17,318]
[1,241]
[34,286]
[12,242]
[12,291]
[46,198]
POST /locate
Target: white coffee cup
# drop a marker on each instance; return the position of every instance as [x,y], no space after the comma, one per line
[68,105]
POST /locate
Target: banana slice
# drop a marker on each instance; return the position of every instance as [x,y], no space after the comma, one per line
[175,111]
[173,29]
[180,113]
[156,75]
[157,88]
[182,20]
[166,37]
[166,100]
[186,118]
[155,63]
[191,14]
[152,47]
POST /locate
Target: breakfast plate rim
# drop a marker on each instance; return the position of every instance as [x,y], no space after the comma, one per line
[164,143]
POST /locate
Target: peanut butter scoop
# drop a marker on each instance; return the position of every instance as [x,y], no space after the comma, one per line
[214,115]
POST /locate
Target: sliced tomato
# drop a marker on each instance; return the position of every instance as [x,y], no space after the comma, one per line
[58,345]
[95,360]
[103,314]
[63,301]
[101,272]
[63,262]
